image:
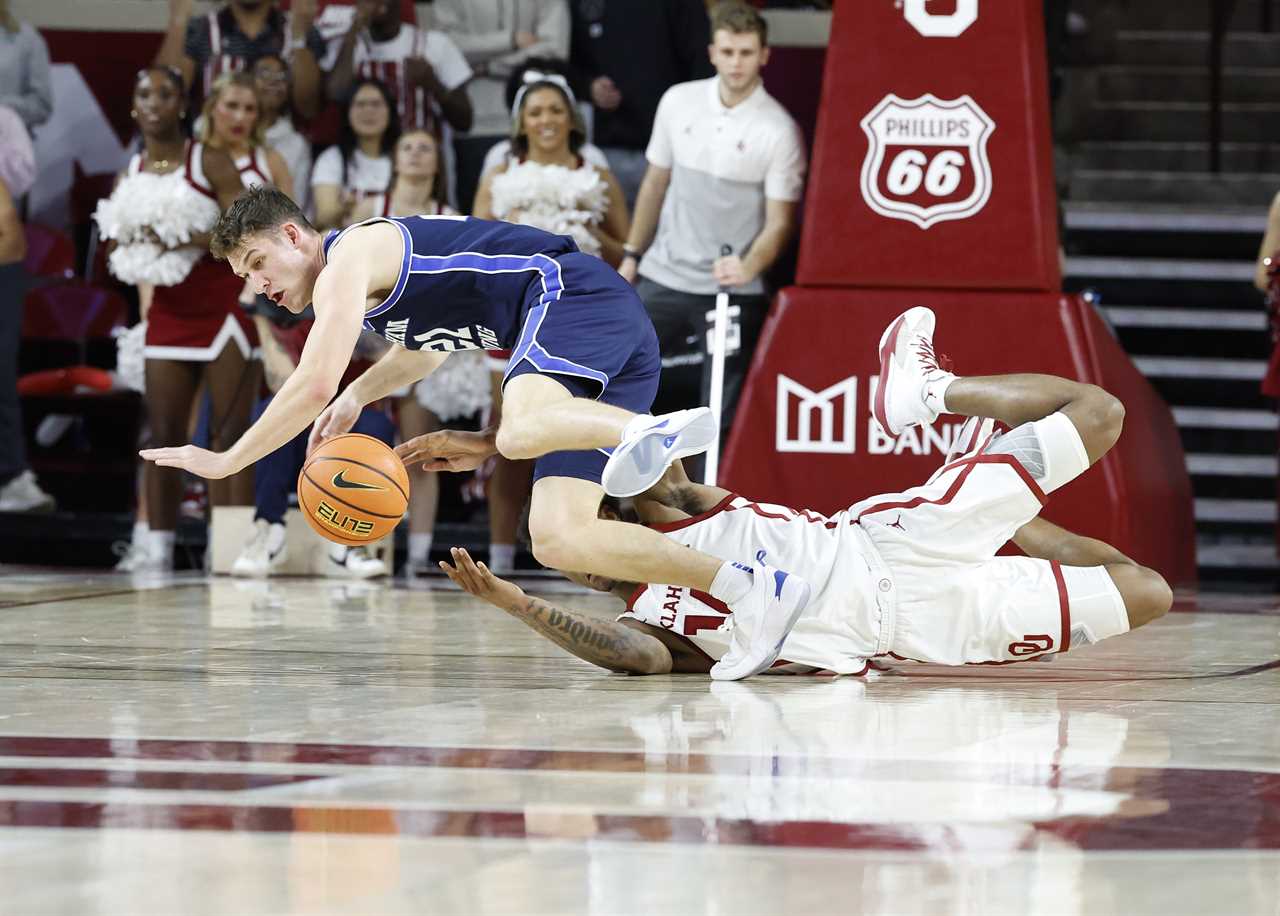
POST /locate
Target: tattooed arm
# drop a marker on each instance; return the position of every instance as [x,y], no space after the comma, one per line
[606,643]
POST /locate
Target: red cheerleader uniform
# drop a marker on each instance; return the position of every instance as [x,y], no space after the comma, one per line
[195,320]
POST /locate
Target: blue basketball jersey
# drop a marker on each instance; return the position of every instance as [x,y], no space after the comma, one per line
[465,283]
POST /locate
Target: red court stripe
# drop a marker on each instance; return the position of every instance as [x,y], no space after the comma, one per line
[158,780]
[1190,817]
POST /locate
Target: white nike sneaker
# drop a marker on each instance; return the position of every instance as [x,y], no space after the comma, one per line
[264,553]
[136,558]
[353,563]
[23,494]
[909,370]
[416,568]
[650,444]
[761,622]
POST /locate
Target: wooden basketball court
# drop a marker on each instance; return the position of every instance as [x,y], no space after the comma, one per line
[209,746]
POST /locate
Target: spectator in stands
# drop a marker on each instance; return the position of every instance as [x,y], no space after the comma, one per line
[359,166]
[633,51]
[544,183]
[423,68]
[230,122]
[19,491]
[458,388]
[271,79]
[235,35]
[276,475]
[1266,277]
[196,333]
[24,70]
[540,67]
[1269,252]
[726,167]
[497,36]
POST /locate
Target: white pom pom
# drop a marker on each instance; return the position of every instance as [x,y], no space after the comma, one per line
[459,388]
[145,208]
[146,262]
[554,198]
[130,358]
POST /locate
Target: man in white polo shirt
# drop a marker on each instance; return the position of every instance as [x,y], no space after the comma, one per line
[726,167]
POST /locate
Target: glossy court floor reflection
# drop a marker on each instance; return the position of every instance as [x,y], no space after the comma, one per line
[193,746]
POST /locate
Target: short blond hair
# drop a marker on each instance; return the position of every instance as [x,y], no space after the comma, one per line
[735,16]
[240,80]
[259,209]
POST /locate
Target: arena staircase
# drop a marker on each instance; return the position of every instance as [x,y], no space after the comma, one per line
[1169,245]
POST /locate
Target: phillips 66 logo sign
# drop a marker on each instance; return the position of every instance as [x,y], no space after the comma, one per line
[926,159]
[940,25]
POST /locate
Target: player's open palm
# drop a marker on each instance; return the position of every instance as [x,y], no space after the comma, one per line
[199,461]
[476,579]
[447,450]
[334,420]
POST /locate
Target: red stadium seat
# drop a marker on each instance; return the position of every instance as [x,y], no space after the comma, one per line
[50,253]
[72,311]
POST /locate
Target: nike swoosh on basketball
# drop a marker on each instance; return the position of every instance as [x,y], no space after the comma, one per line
[340,481]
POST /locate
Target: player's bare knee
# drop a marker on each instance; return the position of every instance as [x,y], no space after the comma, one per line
[1147,596]
[552,544]
[514,439]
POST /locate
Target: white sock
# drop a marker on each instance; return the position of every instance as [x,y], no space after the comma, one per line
[160,546]
[502,557]
[419,547]
[732,582]
[140,531]
[937,385]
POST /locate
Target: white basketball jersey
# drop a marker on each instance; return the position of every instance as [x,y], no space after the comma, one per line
[840,628]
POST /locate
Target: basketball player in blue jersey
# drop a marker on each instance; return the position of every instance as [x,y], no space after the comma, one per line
[583,373]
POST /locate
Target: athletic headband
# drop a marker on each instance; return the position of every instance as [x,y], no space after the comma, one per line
[172,72]
[532,77]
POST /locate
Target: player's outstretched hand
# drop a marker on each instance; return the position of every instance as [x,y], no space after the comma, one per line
[475,579]
[447,450]
[199,461]
[334,420]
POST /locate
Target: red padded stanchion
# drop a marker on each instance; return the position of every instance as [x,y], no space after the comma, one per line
[932,164]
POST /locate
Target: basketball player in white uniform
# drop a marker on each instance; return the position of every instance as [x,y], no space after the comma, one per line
[909,575]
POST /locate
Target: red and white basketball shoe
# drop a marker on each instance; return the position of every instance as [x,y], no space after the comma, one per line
[912,376]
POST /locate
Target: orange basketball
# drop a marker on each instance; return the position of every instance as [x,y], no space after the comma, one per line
[353,489]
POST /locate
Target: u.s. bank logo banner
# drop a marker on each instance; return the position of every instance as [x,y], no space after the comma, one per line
[927,159]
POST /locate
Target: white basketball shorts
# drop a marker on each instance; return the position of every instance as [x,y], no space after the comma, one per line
[953,601]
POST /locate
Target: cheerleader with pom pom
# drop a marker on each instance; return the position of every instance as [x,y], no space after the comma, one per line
[158,220]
